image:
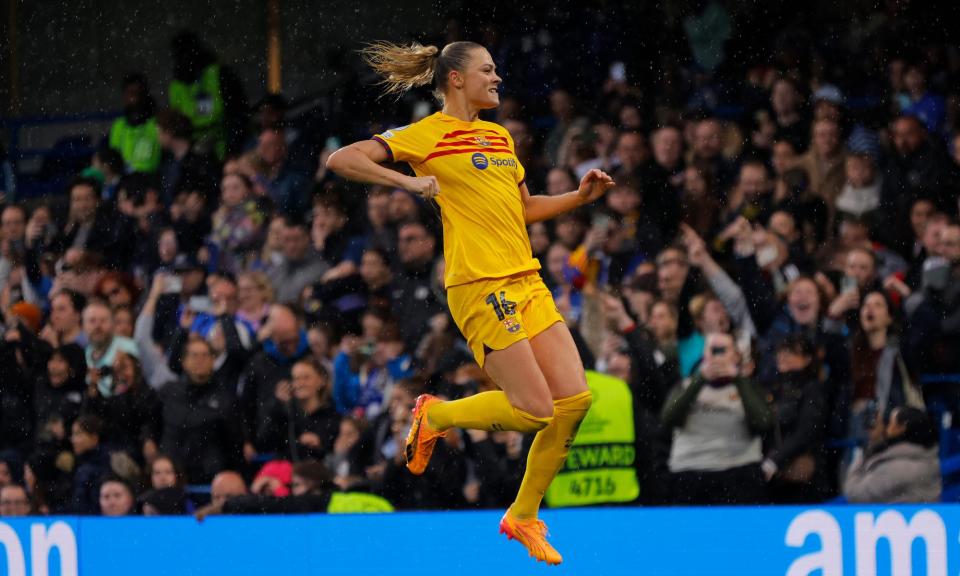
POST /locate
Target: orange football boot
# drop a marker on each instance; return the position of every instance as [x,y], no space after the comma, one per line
[532,534]
[422,437]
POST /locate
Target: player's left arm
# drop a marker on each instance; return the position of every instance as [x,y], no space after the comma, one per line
[593,185]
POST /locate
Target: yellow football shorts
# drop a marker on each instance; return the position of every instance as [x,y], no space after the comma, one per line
[493,313]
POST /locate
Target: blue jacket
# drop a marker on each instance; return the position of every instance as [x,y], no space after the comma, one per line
[366,390]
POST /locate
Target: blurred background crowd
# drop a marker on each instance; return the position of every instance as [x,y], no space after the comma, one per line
[205,320]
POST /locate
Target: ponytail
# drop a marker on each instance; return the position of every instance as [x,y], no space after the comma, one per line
[406,67]
[401,67]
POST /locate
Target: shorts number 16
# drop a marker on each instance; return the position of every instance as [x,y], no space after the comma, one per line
[502,307]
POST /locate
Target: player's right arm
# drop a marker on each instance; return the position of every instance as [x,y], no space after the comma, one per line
[361,162]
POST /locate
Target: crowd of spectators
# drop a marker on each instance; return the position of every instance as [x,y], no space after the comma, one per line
[771,281]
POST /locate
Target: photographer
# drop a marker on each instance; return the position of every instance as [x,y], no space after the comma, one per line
[102,345]
[130,411]
[717,418]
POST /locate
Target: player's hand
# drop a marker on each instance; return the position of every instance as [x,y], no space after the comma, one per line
[593,185]
[424,186]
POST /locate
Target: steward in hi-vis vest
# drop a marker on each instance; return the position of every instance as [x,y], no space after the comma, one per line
[202,102]
[601,466]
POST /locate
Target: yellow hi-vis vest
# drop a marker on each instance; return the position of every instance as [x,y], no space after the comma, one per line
[203,104]
[139,145]
[600,468]
[357,503]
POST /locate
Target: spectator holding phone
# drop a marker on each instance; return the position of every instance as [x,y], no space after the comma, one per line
[717,418]
[214,319]
[131,412]
[859,277]
[186,280]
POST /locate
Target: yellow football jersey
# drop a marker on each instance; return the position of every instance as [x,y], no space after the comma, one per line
[484,233]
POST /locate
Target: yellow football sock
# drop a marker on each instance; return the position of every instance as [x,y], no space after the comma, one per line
[548,452]
[490,411]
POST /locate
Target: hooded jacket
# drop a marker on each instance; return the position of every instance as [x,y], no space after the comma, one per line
[899,473]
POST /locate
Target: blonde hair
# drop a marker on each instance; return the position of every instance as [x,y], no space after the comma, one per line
[262,282]
[405,67]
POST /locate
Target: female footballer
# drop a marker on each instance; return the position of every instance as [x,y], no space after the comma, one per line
[493,288]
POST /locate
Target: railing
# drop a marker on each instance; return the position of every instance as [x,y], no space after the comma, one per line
[58,161]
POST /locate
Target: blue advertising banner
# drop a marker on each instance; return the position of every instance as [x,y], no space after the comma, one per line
[791,541]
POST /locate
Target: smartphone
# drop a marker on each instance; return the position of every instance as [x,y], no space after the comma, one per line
[173,285]
[601,221]
[848,284]
[618,71]
[200,304]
